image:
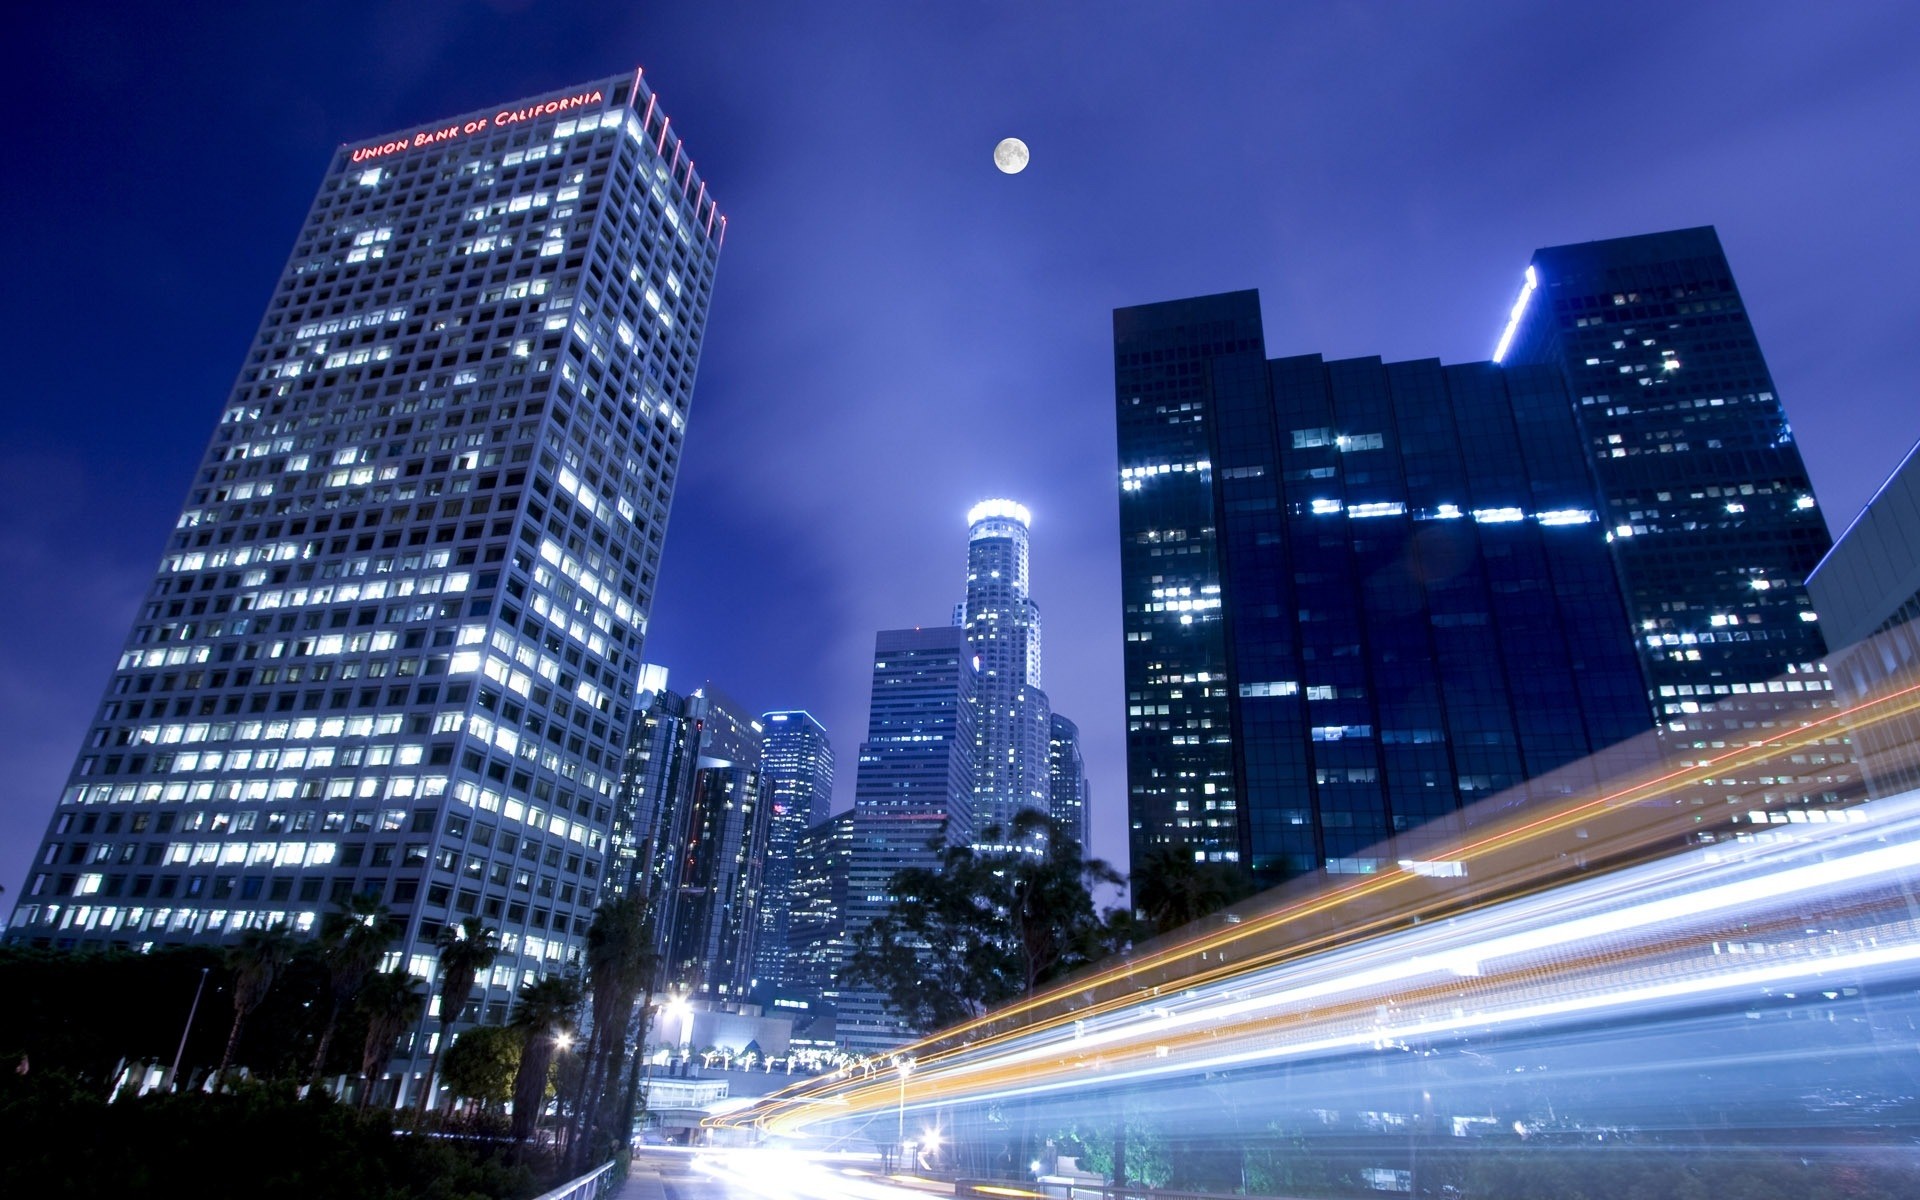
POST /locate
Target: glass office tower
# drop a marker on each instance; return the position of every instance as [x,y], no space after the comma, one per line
[1067,777]
[913,793]
[392,644]
[718,868]
[816,930]
[1711,519]
[798,762]
[1868,592]
[1358,596]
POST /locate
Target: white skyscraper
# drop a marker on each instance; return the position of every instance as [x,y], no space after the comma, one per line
[393,642]
[1011,712]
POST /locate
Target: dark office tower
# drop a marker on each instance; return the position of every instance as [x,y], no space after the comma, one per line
[1868,592]
[1067,777]
[1712,520]
[1358,596]
[655,787]
[1009,709]
[719,868]
[1181,787]
[816,932]
[914,788]
[397,625]
[799,767]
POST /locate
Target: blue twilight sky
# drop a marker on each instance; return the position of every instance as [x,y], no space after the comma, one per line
[899,330]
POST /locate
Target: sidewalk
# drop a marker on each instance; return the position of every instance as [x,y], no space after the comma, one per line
[643,1183]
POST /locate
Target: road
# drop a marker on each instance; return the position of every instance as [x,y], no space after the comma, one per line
[765,1174]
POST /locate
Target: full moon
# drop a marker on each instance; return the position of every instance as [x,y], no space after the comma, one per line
[1010,156]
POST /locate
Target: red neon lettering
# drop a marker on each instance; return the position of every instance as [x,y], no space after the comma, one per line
[505,117]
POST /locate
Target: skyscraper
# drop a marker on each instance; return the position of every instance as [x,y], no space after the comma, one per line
[1868,592]
[718,870]
[1358,596]
[816,930]
[914,790]
[1712,521]
[392,643]
[798,760]
[1003,630]
[656,789]
[1067,778]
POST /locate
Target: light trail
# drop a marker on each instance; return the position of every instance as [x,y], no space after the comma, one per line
[1535,940]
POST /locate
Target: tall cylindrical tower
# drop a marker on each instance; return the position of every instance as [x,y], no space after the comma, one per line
[1003,631]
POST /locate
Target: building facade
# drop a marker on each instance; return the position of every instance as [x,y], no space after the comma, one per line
[392,644]
[656,791]
[913,793]
[1358,596]
[816,929]
[1867,591]
[712,927]
[798,760]
[1010,711]
[1712,521]
[1067,778]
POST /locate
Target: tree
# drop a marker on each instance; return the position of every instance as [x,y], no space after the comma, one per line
[466,950]
[547,1011]
[256,960]
[1051,902]
[620,966]
[481,1063]
[984,928]
[351,940]
[1172,888]
[391,1001]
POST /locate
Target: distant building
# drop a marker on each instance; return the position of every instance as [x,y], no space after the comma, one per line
[816,929]
[1357,596]
[718,870]
[1010,711]
[798,761]
[1067,778]
[656,793]
[1867,592]
[914,790]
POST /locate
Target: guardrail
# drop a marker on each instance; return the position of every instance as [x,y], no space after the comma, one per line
[594,1183]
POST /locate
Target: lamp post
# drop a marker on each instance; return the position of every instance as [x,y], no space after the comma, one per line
[905,1067]
[173,1075]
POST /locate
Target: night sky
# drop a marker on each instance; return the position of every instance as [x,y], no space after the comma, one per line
[898,329]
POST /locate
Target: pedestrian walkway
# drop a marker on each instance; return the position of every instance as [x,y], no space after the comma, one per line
[643,1183]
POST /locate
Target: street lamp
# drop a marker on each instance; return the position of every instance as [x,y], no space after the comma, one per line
[905,1067]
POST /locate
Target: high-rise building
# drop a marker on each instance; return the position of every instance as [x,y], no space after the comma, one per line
[393,640]
[1711,518]
[798,761]
[913,792]
[656,789]
[1067,778]
[1010,710]
[1357,596]
[1867,591]
[719,868]
[816,929]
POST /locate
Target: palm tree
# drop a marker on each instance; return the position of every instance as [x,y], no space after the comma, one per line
[350,944]
[391,1001]
[466,950]
[620,965]
[256,960]
[547,1010]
